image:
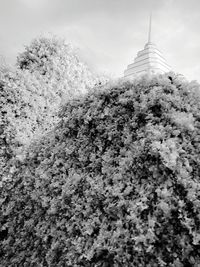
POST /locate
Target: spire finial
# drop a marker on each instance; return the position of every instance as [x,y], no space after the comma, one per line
[149,36]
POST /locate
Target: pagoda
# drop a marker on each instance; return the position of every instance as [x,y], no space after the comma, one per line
[149,60]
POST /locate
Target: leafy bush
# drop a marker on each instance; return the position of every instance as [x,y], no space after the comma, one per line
[48,74]
[58,65]
[115,184]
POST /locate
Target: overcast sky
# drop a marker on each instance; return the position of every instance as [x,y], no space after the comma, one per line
[109,33]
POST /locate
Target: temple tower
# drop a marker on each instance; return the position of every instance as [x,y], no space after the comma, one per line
[149,60]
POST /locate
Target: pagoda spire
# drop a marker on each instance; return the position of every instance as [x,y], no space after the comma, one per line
[149,34]
[149,60]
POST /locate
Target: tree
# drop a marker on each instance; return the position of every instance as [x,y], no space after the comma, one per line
[116,183]
[53,72]
[48,74]
[58,65]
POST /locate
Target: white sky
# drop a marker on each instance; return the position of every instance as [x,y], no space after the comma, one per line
[109,33]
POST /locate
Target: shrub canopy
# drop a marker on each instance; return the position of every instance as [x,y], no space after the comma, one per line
[48,74]
[115,184]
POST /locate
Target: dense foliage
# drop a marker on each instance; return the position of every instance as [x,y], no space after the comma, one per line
[48,74]
[115,184]
[58,65]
